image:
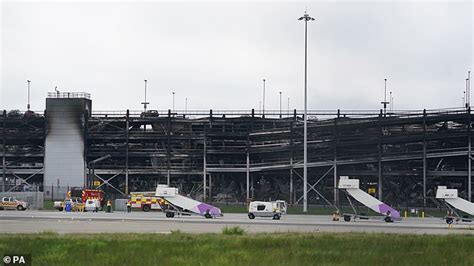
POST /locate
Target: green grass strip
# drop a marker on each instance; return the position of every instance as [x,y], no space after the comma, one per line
[238,248]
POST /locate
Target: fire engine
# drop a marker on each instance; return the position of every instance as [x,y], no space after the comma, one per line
[78,197]
[146,201]
[88,194]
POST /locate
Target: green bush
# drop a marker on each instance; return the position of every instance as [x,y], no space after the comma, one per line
[235,230]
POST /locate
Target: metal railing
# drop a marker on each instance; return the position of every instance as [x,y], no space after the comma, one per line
[62,95]
[320,115]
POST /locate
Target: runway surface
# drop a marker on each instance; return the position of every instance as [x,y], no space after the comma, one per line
[31,221]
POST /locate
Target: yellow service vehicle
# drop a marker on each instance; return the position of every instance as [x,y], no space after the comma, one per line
[145,201]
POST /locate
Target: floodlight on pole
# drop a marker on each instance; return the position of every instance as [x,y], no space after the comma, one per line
[145,103]
[280,104]
[464,99]
[306,18]
[391,105]
[467,94]
[28,104]
[173,101]
[288,108]
[469,87]
[385,99]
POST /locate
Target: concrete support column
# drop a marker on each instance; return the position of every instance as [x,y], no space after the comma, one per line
[210,188]
[380,187]
[252,189]
[469,157]
[292,192]
[248,175]
[424,159]
[335,180]
[168,150]
[86,145]
[335,159]
[127,126]
[4,136]
[204,168]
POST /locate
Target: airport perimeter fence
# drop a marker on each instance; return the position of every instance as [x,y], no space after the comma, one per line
[54,192]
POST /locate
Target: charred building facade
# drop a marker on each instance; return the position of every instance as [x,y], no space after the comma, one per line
[233,156]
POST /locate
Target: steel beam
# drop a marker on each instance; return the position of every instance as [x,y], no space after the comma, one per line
[380,157]
[248,175]
[469,157]
[292,197]
[210,188]
[204,167]
[335,160]
[24,180]
[4,163]
[424,159]
[107,181]
[127,127]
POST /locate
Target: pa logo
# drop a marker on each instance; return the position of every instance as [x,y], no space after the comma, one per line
[17,260]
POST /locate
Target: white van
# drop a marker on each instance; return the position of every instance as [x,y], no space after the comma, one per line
[273,209]
[92,205]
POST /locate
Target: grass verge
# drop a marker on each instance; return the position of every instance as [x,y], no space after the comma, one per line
[48,205]
[235,230]
[257,249]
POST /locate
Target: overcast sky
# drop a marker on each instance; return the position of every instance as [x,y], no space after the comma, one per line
[216,54]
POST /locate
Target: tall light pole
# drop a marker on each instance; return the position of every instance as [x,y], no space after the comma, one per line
[391,104]
[464,99]
[288,109]
[173,101]
[28,104]
[385,99]
[469,88]
[145,103]
[467,93]
[263,101]
[280,104]
[306,18]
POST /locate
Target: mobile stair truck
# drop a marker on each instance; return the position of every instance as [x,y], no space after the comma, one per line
[351,187]
[175,204]
[451,199]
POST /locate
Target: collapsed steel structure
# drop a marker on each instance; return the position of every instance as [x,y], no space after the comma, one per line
[235,156]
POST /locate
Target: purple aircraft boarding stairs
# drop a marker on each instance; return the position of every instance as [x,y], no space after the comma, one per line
[176,204]
[351,187]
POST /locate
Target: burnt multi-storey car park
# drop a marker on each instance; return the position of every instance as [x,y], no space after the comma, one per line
[235,155]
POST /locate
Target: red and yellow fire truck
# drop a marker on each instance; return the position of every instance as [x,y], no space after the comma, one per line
[78,198]
[145,201]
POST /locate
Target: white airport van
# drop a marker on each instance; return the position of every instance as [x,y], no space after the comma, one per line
[273,209]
